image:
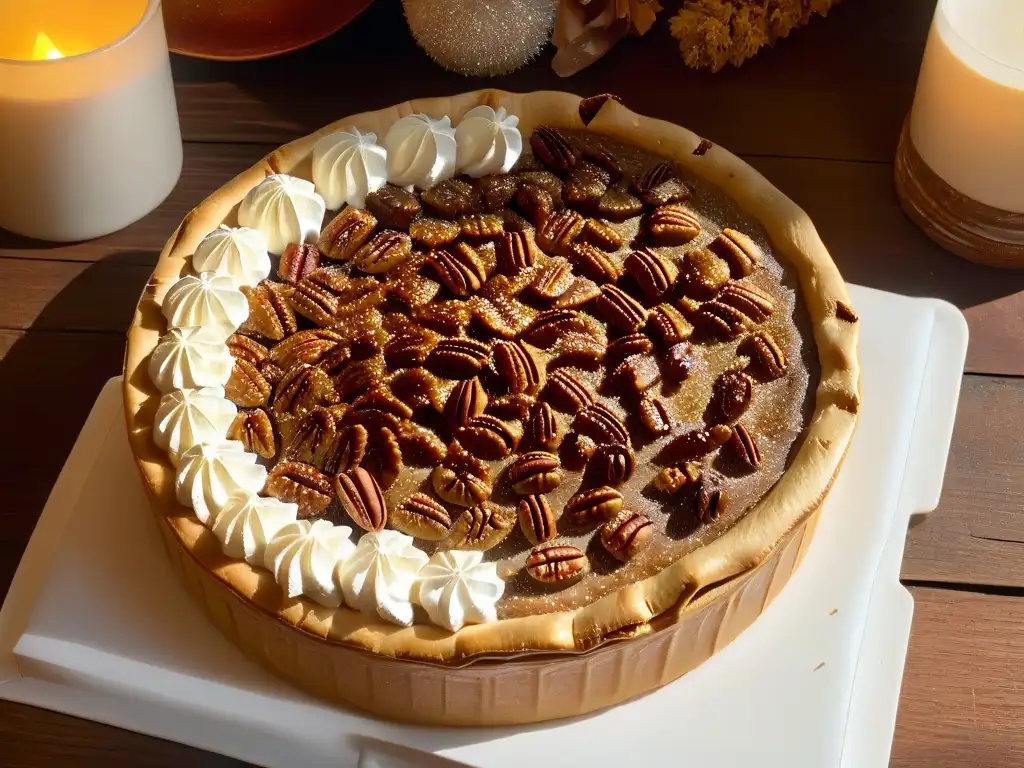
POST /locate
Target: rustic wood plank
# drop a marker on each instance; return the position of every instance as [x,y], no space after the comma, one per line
[206,168]
[851,76]
[962,702]
[976,536]
[961,706]
[48,383]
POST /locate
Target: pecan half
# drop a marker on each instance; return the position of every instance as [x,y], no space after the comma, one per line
[433,233]
[246,387]
[600,424]
[488,437]
[481,226]
[601,234]
[672,225]
[243,348]
[731,393]
[386,457]
[254,431]
[652,273]
[357,377]
[409,347]
[627,346]
[553,149]
[270,314]
[513,405]
[576,451]
[468,398]
[386,250]
[544,180]
[577,350]
[744,447]
[721,320]
[421,517]
[309,346]
[681,361]
[557,564]
[458,358]
[346,233]
[654,415]
[502,316]
[498,190]
[669,325]
[710,496]
[303,388]
[534,472]
[618,205]
[606,160]
[845,312]
[593,263]
[769,361]
[658,185]
[740,252]
[536,519]
[565,392]
[314,302]
[551,324]
[461,479]
[348,449]
[591,105]
[694,444]
[703,274]
[611,464]
[479,528]
[300,484]
[635,375]
[394,207]
[297,261]
[748,299]
[544,428]
[673,479]
[620,309]
[452,198]
[581,292]
[448,317]
[459,267]
[588,508]
[312,438]
[536,204]
[559,231]
[419,444]
[585,184]
[380,399]
[627,534]
[516,251]
[552,280]
[362,498]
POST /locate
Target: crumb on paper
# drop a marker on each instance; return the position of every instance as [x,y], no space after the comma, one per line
[833,612]
[819,667]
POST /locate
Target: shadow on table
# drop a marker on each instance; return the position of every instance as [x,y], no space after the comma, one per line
[49,380]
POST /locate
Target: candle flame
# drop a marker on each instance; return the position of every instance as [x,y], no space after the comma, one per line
[45,49]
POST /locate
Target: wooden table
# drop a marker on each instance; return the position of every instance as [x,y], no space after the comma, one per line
[819,116]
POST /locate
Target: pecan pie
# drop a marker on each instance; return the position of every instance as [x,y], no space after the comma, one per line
[551,384]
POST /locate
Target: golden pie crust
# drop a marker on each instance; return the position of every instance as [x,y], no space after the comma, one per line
[544,666]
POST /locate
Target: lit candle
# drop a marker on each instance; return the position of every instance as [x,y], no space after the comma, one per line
[960,169]
[89,137]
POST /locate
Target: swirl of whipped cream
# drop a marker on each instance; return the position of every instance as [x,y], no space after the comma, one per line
[209,473]
[303,557]
[488,142]
[347,166]
[247,522]
[188,358]
[421,151]
[378,576]
[187,417]
[285,209]
[459,588]
[207,301]
[238,253]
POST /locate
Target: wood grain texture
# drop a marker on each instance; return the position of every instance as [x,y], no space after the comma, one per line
[873,51]
[976,536]
[961,707]
[962,704]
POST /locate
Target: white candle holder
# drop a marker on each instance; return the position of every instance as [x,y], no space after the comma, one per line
[960,162]
[89,136]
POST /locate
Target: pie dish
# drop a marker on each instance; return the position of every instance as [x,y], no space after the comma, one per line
[535,413]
